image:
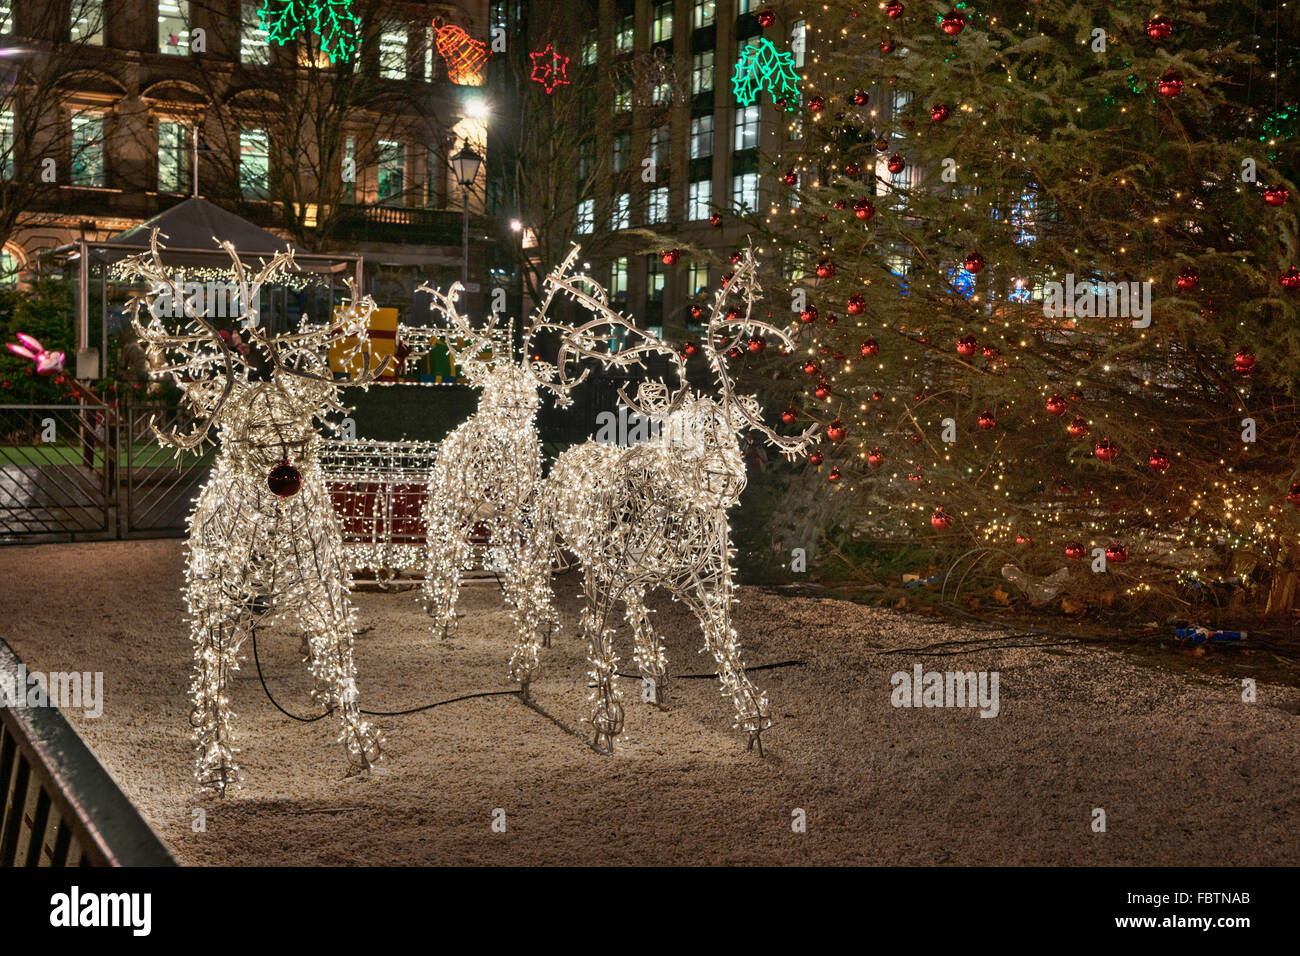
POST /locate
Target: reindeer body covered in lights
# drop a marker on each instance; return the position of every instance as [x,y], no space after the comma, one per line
[655,516]
[488,472]
[264,542]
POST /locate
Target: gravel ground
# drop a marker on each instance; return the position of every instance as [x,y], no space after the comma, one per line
[1186,772]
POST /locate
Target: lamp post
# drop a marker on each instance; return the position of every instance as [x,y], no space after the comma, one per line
[465,163]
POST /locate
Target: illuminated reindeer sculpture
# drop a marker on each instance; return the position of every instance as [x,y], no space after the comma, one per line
[264,542]
[655,516]
[489,469]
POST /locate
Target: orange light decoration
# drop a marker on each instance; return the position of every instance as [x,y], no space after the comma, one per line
[463,54]
[550,69]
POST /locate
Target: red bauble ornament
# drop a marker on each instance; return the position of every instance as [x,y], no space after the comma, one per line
[825,269]
[1290,279]
[853,170]
[836,431]
[816,458]
[1116,553]
[757,344]
[990,353]
[817,103]
[941,520]
[877,396]
[1170,84]
[1106,450]
[1243,363]
[840,204]
[967,346]
[856,305]
[671,256]
[1024,541]
[1294,495]
[1056,404]
[987,421]
[809,315]
[789,416]
[766,18]
[896,164]
[861,97]
[1074,550]
[1187,279]
[790,178]
[689,349]
[870,347]
[1276,195]
[893,9]
[887,46]
[1077,428]
[974,263]
[733,315]
[863,209]
[835,473]
[811,367]
[697,312]
[952,23]
[284,480]
[1158,461]
[939,112]
[735,352]
[823,390]
[1159,28]
[715,219]
[875,458]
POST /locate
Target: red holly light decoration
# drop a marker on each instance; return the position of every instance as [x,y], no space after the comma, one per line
[967,346]
[896,164]
[1077,428]
[974,263]
[1106,450]
[284,480]
[863,209]
[870,347]
[987,421]
[671,256]
[1170,84]
[550,69]
[941,520]
[1074,550]
[1056,404]
[1187,279]
[856,305]
[1243,363]
[952,23]
[1158,461]
[939,112]
[1276,195]
[1159,28]
[836,431]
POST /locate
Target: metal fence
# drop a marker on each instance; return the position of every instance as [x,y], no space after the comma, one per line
[60,806]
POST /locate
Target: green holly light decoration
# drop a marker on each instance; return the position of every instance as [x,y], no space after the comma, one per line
[333,21]
[762,66]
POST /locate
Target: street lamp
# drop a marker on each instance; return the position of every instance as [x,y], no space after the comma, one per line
[465,164]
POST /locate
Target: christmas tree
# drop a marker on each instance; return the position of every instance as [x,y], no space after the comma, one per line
[1050,269]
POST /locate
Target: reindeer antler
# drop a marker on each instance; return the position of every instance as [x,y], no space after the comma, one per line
[479,340]
[744,283]
[311,340]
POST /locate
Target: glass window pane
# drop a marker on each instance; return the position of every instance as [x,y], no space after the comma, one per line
[700,197]
[392,50]
[87,24]
[88,150]
[392,172]
[173,168]
[254,164]
[174,27]
[7,144]
[253,45]
[706,11]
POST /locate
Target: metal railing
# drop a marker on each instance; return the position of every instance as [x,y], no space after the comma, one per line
[61,807]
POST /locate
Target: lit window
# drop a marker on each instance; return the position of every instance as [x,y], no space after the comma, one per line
[590,49]
[622,149]
[253,45]
[87,22]
[744,191]
[623,97]
[6,17]
[174,27]
[618,278]
[8,268]
[659,145]
[586,217]
[700,198]
[621,215]
[392,172]
[702,136]
[433,169]
[798,42]
[392,50]
[254,164]
[706,11]
[658,211]
[702,73]
[698,277]
[7,143]
[624,38]
[747,120]
[662,27]
[173,138]
[88,150]
[654,279]
[349,166]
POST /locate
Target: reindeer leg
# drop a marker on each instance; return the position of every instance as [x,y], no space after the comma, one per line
[447,553]
[519,581]
[650,656]
[605,698]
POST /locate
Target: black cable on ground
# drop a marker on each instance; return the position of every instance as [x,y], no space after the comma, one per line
[748,670]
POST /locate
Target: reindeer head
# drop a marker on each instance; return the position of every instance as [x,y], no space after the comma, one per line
[264,391]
